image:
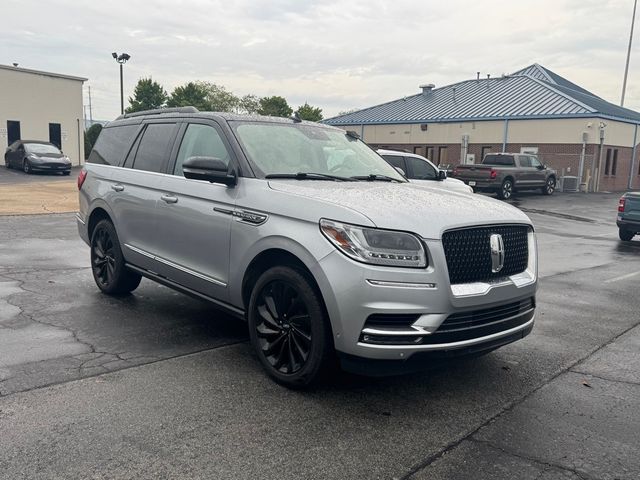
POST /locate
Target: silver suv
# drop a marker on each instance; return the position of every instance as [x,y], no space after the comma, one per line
[309,235]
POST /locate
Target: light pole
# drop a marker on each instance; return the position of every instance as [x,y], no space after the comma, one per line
[626,67]
[121,59]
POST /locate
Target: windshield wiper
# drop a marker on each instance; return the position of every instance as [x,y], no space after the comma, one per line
[309,176]
[375,177]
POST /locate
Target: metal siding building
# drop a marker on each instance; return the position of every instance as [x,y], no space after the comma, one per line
[36,105]
[533,109]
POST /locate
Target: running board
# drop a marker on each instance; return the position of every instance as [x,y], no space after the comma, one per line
[235,311]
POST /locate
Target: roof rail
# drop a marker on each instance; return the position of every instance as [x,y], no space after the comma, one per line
[158,111]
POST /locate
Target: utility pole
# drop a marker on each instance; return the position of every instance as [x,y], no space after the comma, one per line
[626,67]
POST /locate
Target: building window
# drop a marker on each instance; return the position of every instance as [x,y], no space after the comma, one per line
[418,150]
[614,163]
[484,151]
[607,163]
[442,155]
[13,131]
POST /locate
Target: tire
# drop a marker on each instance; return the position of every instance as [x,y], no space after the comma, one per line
[625,235]
[550,186]
[506,190]
[26,166]
[7,163]
[294,353]
[66,173]
[107,262]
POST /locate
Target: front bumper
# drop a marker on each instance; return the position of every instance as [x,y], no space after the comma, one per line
[62,167]
[353,292]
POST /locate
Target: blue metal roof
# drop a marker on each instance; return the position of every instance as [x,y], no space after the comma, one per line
[533,92]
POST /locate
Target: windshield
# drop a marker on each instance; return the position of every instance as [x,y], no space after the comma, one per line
[275,148]
[40,148]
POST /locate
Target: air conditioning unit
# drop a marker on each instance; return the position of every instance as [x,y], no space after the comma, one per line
[569,184]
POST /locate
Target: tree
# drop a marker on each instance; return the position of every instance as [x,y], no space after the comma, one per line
[191,94]
[249,104]
[307,112]
[90,137]
[147,95]
[218,98]
[275,106]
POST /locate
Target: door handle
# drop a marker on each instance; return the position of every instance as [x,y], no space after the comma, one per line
[169,199]
[117,187]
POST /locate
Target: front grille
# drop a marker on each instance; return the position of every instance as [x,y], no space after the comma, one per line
[468,252]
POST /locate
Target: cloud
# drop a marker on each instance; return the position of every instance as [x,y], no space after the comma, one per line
[334,54]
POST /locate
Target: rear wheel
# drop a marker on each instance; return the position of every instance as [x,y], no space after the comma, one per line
[26,166]
[625,235]
[107,262]
[506,190]
[289,329]
[550,186]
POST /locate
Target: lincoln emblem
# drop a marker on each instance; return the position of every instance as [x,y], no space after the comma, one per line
[497,252]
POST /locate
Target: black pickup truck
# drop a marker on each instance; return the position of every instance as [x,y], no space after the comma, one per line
[504,173]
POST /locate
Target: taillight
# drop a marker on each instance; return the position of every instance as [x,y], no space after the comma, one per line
[493,174]
[81,176]
[621,204]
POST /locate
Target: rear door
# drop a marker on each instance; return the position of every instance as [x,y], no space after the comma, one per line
[137,190]
[195,216]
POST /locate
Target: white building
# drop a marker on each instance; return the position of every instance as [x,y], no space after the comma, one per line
[44,106]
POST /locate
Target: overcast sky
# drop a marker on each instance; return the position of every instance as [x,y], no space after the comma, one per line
[337,55]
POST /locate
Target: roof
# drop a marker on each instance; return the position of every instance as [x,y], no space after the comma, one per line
[530,93]
[40,72]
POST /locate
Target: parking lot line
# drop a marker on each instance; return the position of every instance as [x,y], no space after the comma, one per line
[622,277]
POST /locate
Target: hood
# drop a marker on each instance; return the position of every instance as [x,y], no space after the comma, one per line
[49,156]
[447,183]
[403,206]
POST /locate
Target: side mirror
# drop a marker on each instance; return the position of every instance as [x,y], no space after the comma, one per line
[400,171]
[542,167]
[442,175]
[211,169]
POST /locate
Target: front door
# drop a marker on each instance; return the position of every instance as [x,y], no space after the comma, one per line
[55,135]
[195,216]
[539,175]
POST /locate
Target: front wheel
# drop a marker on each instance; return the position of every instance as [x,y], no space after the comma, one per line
[7,163]
[107,262]
[66,173]
[289,328]
[506,190]
[26,166]
[625,235]
[550,186]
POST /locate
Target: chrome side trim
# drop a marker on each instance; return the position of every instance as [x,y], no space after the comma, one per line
[176,266]
[452,345]
[388,283]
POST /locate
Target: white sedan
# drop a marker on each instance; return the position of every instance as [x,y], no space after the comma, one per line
[419,170]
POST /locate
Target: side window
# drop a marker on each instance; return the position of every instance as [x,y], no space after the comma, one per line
[396,161]
[535,163]
[421,170]
[112,145]
[201,141]
[525,160]
[154,147]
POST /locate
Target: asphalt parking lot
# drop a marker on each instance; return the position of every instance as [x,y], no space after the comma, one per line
[158,385]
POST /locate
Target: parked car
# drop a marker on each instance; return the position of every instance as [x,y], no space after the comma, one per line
[628,220]
[36,156]
[419,170]
[505,173]
[309,235]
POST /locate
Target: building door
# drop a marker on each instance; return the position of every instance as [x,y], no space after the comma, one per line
[484,151]
[430,152]
[55,135]
[418,150]
[13,131]
[442,156]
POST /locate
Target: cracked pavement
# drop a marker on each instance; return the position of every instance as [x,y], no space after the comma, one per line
[158,385]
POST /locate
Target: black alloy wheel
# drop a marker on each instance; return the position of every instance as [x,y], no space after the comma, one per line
[506,190]
[107,262]
[550,186]
[26,166]
[7,163]
[288,327]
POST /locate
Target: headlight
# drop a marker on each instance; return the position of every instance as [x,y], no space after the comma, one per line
[375,246]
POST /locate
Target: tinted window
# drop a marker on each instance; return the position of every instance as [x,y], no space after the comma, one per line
[525,161]
[200,141]
[498,160]
[396,161]
[154,147]
[112,144]
[421,170]
[535,162]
